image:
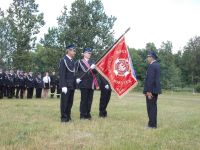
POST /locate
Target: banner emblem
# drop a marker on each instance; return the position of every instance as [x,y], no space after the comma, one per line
[121,67]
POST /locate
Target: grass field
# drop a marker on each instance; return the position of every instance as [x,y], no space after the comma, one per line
[35,124]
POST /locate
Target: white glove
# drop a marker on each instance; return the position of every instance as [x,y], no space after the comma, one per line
[64,90]
[107,86]
[92,66]
[78,80]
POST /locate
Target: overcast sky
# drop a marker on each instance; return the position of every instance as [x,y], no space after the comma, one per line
[150,20]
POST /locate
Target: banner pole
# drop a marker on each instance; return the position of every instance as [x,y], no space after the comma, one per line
[107,50]
[113,45]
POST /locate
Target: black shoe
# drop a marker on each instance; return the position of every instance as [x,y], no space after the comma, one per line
[103,114]
[83,118]
[89,116]
[152,127]
[65,120]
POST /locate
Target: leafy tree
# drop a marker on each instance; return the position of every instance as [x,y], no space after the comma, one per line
[86,25]
[170,73]
[24,21]
[190,61]
[51,39]
[138,63]
[46,59]
[6,45]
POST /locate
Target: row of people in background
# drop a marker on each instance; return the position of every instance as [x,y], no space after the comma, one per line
[22,84]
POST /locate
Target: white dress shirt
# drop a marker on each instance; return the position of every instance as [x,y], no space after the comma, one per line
[46,79]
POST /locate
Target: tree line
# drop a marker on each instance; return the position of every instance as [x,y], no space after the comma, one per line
[85,24]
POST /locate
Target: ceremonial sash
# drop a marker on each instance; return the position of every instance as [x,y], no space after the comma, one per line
[94,83]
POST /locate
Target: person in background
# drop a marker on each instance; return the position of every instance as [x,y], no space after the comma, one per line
[53,84]
[30,84]
[17,84]
[38,85]
[20,84]
[25,75]
[11,84]
[2,80]
[5,90]
[46,82]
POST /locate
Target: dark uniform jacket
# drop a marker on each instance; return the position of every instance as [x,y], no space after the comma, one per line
[20,81]
[30,83]
[53,80]
[87,79]
[39,83]
[17,80]
[152,80]
[67,73]
[10,80]
[57,81]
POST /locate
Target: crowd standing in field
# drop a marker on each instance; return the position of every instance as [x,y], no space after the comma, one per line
[22,85]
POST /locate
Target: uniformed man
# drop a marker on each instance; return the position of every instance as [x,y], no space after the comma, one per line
[20,84]
[104,97]
[87,82]
[152,88]
[39,85]
[5,90]
[67,83]
[25,75]
[53,84]
[17,84]
[1,83]
[30,84]
[11,84]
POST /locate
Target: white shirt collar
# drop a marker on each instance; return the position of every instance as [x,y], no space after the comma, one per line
[86,59]
[152,61]
[69,57]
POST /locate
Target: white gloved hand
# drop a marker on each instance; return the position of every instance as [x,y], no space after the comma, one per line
[92,66]
[78,80]
[64,90]
[107,86]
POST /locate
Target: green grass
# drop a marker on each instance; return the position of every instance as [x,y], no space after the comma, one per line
[35,124]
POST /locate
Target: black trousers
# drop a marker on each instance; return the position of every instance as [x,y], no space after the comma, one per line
[5,91]
[30,93]
[10,92]
[66,103]
[19,90]
[58,91]
[152,110]
[1,92]
[104,100]
[86,102]
[38,92]
[53,89]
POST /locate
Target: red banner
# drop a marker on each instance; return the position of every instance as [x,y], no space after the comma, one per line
[116,66]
